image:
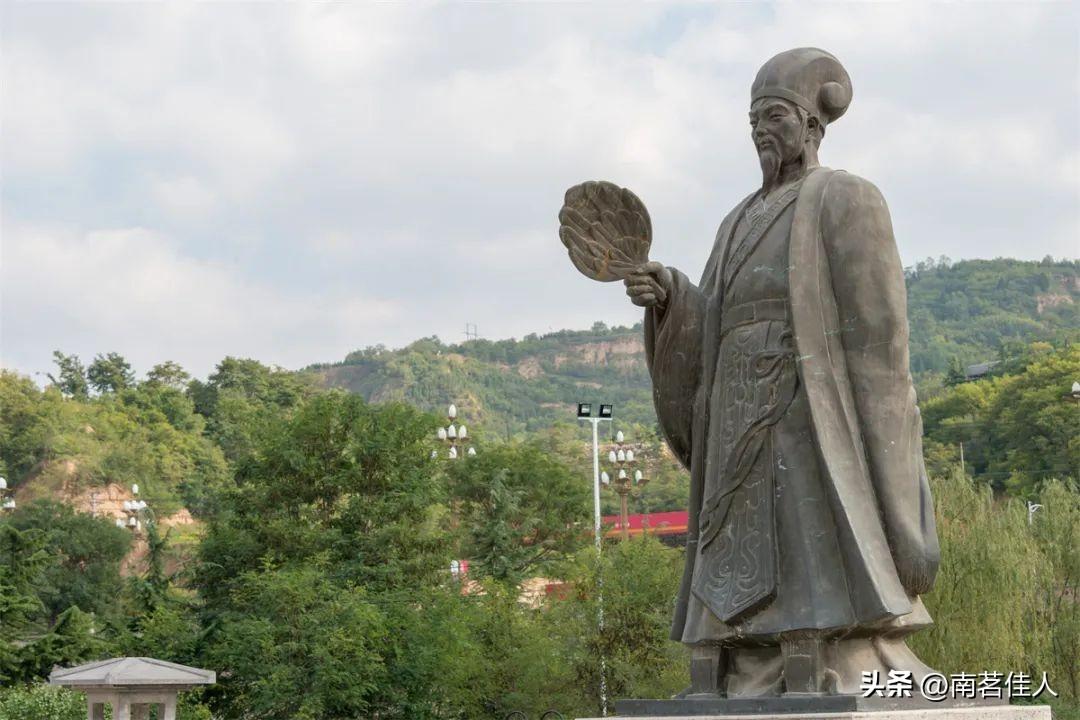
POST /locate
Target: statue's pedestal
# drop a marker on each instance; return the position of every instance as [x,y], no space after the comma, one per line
[783,709]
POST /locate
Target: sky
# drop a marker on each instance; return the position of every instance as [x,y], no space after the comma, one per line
[291,182]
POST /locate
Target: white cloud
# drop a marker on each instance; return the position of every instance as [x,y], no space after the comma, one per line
[133,291]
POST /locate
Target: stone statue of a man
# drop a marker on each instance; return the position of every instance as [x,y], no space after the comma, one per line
[781,381]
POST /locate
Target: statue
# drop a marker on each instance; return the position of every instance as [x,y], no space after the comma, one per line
[781,382]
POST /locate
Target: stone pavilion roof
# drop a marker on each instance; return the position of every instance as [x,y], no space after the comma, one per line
[131,672]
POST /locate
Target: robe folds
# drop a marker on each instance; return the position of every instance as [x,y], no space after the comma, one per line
[847,309]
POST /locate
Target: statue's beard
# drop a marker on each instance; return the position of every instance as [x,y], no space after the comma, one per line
[769,159]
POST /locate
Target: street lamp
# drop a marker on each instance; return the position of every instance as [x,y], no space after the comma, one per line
[133,509]
[456,436]
[7,500]
[605,412]
[626,479]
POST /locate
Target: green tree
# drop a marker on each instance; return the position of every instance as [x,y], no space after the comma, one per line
[518,508]
[110,373]
[1057,531]
[296,644]
[985,599]
[1017,428]
[169,374]
[85,554]
[72,375]
[41,702]
[956,374]
[242,399]
[340,479]
[497,655]
[23,560]
[152,589]
[335,533]
[30,645]
[638,580]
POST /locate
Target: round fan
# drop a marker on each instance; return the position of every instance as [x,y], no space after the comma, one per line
[606,230]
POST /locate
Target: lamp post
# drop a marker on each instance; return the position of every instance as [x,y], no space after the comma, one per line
[625,480]
[585,412]
[455,436]
[132,510]
[7,499]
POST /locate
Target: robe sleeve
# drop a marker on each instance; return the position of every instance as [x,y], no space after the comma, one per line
[871,297]
[673,350]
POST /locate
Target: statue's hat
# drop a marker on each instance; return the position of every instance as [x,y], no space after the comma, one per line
[811,78]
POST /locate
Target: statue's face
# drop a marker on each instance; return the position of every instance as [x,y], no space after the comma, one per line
[777,129]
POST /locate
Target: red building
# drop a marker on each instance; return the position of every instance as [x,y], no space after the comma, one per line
[669,527]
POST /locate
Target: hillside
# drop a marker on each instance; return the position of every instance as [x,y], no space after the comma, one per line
[974,309]
[967,312]
[507,386]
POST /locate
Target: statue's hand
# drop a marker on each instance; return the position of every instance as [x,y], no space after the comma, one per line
[649,285]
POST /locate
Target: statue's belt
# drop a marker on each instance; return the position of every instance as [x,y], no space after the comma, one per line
[751,312]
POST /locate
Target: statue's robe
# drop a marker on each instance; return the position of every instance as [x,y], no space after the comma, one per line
[782,383]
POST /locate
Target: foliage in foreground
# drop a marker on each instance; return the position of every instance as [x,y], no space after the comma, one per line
[1005,597]
[323,587]
[41,702]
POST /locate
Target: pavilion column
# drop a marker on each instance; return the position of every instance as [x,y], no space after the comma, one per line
[170,709]
[122,709]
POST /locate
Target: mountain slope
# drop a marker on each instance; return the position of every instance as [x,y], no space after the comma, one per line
[969,311]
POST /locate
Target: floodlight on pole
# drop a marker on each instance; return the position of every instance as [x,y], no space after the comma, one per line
[584,412]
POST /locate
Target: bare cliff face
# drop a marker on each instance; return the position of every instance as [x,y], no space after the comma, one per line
[1051,300]
[62,481]
[622,352]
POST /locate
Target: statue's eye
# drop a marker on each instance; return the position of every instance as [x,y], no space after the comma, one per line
[776,116]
